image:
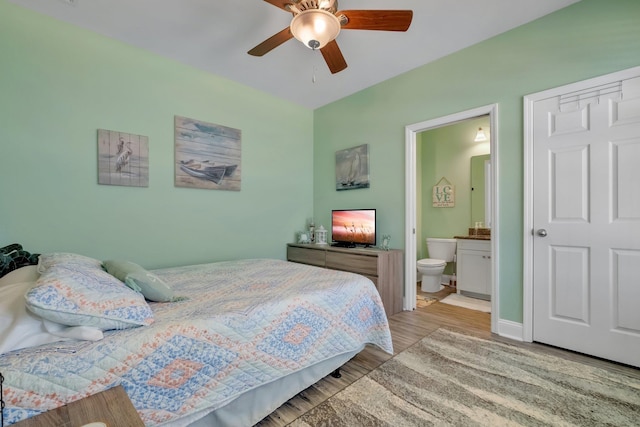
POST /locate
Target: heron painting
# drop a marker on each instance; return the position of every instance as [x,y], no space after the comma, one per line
[207,155]
[123,159]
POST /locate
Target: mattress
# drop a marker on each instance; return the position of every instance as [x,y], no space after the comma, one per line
[241,326]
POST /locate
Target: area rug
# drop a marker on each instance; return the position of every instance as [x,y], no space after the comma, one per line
[451,379]
[422,301]
[466,302]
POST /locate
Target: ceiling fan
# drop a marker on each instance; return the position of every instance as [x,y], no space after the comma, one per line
[316,23]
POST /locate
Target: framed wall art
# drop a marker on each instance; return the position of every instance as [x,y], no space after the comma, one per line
[207,155]
[444,194]
[352,168]
[123,159]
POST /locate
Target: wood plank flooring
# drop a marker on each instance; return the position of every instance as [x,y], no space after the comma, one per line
[408,327]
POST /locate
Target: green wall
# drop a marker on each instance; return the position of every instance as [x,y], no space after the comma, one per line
[59,84]
[587,39]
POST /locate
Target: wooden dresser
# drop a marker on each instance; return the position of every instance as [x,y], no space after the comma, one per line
[384,268]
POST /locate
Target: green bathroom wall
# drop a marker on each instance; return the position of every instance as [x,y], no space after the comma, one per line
[59,84]
[584,40]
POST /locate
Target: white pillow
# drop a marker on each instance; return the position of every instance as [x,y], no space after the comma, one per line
[77,294]
[48,260]
[24,274]
[19,328]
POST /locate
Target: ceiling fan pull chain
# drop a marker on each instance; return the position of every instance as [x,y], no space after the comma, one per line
[313,74]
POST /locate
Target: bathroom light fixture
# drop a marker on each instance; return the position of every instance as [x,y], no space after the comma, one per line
[315,28]
[480,136]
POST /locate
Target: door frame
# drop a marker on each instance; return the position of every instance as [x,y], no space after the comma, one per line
[528,237]
[410,249]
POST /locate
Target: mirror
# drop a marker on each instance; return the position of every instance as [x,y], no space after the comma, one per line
[480,194]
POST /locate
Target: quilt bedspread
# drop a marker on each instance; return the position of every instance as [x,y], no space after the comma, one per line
[243,324]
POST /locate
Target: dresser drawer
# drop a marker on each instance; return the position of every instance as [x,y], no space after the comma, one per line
[366,265]
[383,268]
[306,256]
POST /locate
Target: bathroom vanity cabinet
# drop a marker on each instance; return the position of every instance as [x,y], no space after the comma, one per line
[384,268]
[474,267]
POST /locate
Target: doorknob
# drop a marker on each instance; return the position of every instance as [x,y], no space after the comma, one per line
[542,232]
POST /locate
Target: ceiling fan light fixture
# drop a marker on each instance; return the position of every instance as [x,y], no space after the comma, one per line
[315,28]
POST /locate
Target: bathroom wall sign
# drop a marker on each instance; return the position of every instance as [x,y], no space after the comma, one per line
[444,194]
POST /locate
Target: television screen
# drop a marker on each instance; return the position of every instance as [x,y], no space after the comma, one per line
[353,226]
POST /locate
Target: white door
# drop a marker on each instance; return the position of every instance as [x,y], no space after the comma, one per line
[586,221]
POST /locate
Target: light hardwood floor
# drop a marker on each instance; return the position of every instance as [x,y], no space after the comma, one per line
[407,328]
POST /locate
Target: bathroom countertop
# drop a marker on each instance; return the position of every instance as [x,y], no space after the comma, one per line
[481,237]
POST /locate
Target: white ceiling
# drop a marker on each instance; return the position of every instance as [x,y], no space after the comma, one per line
[215,35]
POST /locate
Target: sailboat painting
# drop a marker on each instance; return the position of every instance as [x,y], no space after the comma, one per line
[352,168]
[206,155]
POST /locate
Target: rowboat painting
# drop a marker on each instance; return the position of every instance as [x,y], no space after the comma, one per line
[212,173]
[207,155]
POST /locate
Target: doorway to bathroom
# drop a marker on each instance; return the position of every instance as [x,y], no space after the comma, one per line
[445,150]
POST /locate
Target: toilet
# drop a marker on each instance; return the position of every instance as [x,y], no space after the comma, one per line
[441,252]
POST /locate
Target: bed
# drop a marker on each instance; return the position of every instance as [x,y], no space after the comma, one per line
[234,341]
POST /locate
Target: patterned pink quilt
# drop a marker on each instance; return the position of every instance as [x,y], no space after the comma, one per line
[244,324]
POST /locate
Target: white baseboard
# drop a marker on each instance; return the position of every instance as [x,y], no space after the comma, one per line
[511,330]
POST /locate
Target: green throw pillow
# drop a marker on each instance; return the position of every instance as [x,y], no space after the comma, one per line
[141,280]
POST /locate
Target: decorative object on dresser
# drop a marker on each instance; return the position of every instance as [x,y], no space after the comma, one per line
[123,159]
[352,168]
[312,230]
[321,236]
[383,268]
[386,239]
[303,237]
[207,155]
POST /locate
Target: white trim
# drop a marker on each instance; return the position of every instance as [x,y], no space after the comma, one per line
[410,255]
[511,330]
[410,249]
[527,219]
[527,252]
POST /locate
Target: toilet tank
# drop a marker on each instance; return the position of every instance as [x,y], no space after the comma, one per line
[443,249]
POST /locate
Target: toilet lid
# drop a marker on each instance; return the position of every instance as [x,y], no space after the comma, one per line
[430,262]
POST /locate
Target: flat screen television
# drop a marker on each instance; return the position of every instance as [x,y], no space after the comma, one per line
[351,227]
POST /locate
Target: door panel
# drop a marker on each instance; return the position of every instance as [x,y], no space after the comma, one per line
[626,316]
[569,284]
[626,172]
[569,188]
[563,122]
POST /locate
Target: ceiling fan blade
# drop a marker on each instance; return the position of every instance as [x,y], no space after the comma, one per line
[383,20]
[271,43]
[282,4]
[333,57]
